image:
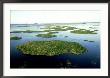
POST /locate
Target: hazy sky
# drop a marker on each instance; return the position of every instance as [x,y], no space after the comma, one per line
[22,17]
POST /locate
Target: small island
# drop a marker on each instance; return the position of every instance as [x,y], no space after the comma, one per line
[15,38]
[59,28]
[89,40]
[85,40]
[48,35]
[82,31]
[52,32]
[26,31]
[51,48]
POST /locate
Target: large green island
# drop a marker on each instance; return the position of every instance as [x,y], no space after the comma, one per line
[51,48]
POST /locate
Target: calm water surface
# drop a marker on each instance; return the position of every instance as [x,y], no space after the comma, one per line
[90,59]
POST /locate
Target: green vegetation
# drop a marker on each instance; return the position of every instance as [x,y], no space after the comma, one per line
[66,36]
[95,30]
[64,26]
[80,31]
[90,27]
[85,40]
[58,28]
[70,28]
[50,29]
[27,31]
[48,35]
[89,40]
[16,31]
[52,32]
[47,30]
[51,48]
[15,38]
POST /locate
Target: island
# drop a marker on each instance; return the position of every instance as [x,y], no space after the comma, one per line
[51,48]
[26,31]
[89,40]
[15,38]
[48,35]
[83,31]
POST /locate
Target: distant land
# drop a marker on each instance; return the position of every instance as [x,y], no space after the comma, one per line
[55,23]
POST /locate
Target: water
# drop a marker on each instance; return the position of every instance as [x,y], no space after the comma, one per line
[90,59]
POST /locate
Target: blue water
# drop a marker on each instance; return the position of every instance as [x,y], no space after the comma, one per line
[90,59]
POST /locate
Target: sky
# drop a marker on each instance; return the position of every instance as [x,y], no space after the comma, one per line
[70,16]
